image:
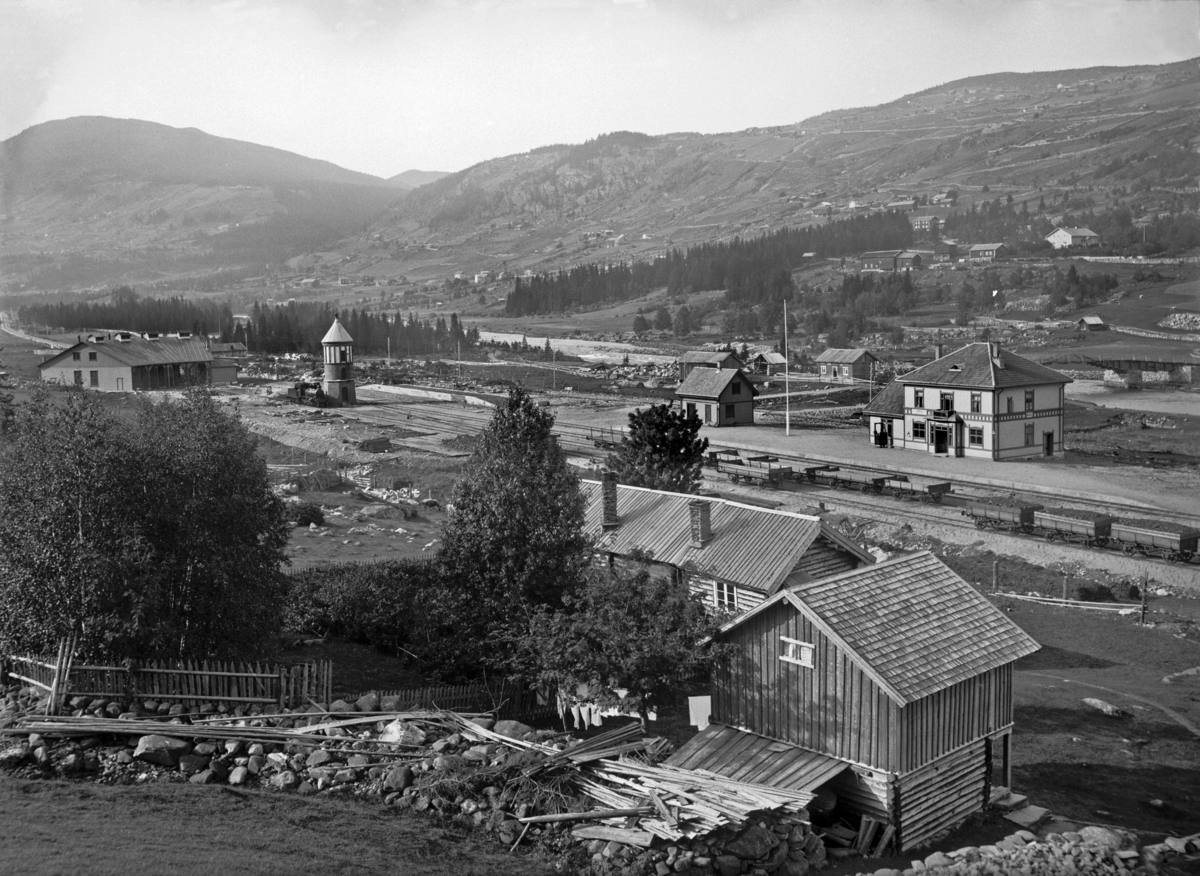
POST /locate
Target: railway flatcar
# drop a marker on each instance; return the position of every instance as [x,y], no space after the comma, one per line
[920,489]
[1088,528]
[999,515]
[764,471]
[852,479]
[1156,538]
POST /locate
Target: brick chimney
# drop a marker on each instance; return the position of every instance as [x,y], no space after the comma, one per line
[938,351]
[608,495]
[995,350]
[701,524]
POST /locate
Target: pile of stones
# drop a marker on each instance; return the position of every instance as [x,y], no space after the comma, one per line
[1091,851]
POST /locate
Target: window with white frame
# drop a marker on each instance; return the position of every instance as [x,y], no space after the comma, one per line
[919,430]
[724,596]
[975,436]
[918,398]
[1028,434]
[976,402]
[795,651]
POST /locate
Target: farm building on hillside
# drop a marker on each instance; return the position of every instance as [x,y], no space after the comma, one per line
[980,401]
[1092,324]
[1064,238]
[125,362]
[881,260]
[945,251]
[845,366]
[733,556]
[722,397]
[703,359]
[987,252]
[890,686]
[768,362]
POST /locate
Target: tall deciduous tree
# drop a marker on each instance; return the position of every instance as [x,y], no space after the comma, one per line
[646,636]
[155,538]
[515,540]
[662,450]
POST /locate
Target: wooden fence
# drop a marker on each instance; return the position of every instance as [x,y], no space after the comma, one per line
[177,681]
[506,700]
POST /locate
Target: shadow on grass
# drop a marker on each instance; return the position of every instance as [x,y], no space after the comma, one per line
[1051,657]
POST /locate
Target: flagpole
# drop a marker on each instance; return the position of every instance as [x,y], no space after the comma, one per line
[787,398]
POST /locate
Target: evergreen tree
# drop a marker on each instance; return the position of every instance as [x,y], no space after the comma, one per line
[662,450]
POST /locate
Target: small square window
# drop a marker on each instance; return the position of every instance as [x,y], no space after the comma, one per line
[975,436]
[75,357]
[736,387]
[729,412]
[91,357]
[797,652]
[919,430]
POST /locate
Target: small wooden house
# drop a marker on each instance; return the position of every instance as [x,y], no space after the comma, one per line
[768,362]
[723,397]
[945,251]
[881,260]
[719,360]
[1092,324]
[845,366]
[733,556]
[889,686]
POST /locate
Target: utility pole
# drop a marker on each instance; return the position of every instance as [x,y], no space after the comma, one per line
[787,397]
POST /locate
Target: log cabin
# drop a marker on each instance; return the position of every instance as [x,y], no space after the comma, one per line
[889,686]
[733,556]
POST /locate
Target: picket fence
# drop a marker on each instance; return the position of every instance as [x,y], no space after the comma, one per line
[187,682]
[505,700]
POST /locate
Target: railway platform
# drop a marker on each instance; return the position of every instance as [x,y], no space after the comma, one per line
[1171,491]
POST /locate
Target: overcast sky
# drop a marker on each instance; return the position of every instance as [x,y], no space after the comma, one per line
[383,86]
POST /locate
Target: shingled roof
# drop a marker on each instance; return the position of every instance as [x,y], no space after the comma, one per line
[751,546]
[973,366]
[912,624]
[139,351]
[888,402]
[711,382]
[843,356]
[705,357]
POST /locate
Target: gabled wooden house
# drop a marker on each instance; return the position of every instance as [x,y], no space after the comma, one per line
[719,397]
[889,686]
[733,556]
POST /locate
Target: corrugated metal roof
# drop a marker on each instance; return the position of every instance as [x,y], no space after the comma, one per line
[972,366]
[747,757]
[337,334]
[704,356]
[711,382]
[843,356]
[753,547]
[889,401]
[139,351]
[915,625]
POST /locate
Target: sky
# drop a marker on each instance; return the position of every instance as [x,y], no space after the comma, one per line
[383,86]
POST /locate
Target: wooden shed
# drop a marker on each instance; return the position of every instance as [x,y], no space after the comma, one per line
[722,397]
[719,360]
[846,366]
[889,686]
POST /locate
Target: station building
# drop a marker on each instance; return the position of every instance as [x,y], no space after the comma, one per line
[981,400]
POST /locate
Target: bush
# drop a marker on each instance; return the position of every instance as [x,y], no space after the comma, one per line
[304,513]
[400,606]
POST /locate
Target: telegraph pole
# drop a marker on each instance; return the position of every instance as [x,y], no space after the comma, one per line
[787,397]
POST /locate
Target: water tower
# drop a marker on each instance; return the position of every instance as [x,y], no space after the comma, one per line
[339,363]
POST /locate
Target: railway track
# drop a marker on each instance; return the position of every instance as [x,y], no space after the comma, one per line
[581,440]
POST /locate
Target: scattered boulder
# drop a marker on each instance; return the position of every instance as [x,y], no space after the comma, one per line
[161,750]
